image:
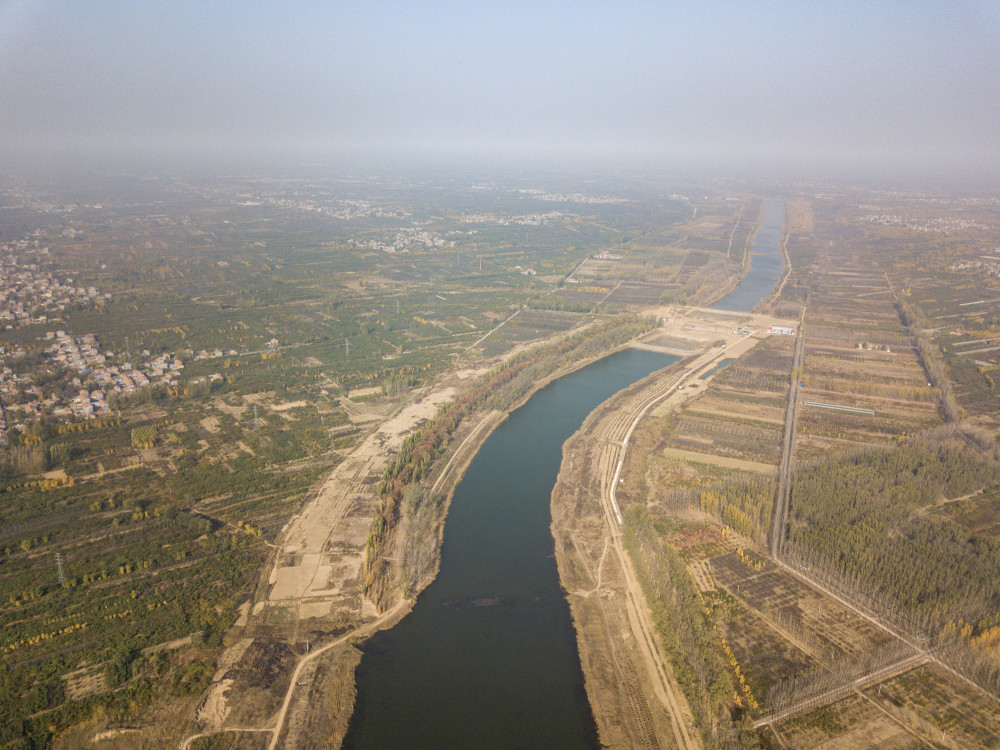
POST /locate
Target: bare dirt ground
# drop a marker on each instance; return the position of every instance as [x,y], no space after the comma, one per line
[323,546]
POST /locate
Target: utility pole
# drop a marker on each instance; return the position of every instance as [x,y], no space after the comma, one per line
[329,434]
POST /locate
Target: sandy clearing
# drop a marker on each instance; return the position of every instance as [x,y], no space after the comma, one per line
[326,539]
[214,709]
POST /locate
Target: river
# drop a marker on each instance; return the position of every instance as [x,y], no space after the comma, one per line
[488,656]
[766,263]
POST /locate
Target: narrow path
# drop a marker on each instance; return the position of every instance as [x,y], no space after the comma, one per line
[600,571]
[784,491]
[615,440]
[233,730]
[788,263]
[656,398]
[461,451]
[279,720]
[481,340]
[303,660]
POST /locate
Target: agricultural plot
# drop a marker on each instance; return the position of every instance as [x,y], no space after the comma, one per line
[740,438]
[696,541]
[730,430]
[940,708]
[596,268]
[631,294]
[693,262]
[858,354]
[683,263]
[583,297]
[739,413]
[723,402]
[941,258]
[976,385]
[674,478]
[765,653]
[764,370]
[824,627]
[849,723]
[529,325]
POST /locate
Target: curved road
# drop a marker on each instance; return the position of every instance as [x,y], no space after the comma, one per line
[275,731]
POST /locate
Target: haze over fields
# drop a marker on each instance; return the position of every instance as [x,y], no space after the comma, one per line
[879,85]
[286,291]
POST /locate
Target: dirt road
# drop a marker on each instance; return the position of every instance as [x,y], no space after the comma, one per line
[629,681]
[279,719]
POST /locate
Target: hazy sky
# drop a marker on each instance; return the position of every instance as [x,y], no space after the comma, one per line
[830,80]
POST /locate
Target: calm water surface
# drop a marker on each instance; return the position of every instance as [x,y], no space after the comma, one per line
[766,263]
[488,657]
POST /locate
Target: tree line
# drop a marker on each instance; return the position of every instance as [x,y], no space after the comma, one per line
[687,634]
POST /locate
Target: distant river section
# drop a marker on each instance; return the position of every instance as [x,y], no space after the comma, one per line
[766,263]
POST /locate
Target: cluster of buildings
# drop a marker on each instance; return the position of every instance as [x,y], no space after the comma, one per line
[91,376]
[31,295]
[545,195]
[345,209]
[406,238]
[525,220]
[988,265]
[944,225]
[780,330]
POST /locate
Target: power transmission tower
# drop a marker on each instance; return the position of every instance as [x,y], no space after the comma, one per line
[256,424]
[59,565]
[347,347]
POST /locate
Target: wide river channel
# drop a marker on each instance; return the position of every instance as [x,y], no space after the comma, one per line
[488,656]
